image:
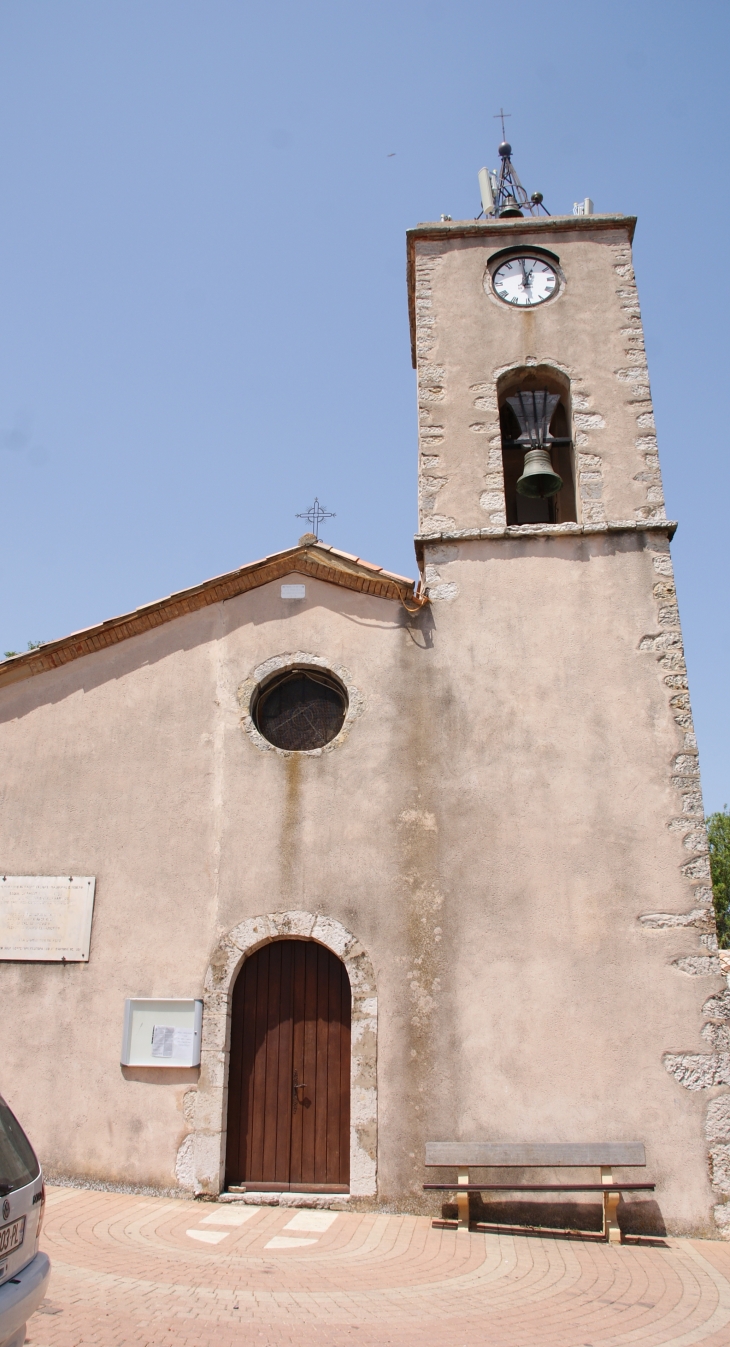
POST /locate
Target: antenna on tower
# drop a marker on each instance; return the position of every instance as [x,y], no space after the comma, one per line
[502,193]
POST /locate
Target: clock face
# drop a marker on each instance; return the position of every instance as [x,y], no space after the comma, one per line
[525,281]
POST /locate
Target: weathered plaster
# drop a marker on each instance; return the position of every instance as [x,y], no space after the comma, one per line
[201,1157]
[692,1070]
[710,1071]
[499,812]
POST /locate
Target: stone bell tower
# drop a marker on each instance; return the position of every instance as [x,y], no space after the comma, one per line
[587,951]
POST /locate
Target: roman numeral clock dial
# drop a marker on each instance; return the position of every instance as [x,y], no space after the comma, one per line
[525,281]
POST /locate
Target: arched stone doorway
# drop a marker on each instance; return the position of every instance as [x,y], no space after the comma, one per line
[201,1156]
[289,1071]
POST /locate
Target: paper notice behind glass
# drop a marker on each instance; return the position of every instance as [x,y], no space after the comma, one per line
[46,917]
[169,1041]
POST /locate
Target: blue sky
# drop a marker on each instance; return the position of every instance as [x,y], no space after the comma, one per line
[202,274]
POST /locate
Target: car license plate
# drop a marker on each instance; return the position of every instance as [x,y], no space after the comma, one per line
[11,1236]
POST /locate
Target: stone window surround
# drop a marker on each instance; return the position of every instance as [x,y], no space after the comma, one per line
[200,1162]
[292,660]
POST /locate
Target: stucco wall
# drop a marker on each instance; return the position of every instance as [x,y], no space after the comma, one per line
[490,830]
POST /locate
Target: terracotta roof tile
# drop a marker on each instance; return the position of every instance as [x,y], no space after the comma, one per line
[367,564]
[347,555]
[313,559]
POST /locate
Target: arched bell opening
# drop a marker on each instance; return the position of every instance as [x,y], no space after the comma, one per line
[537,447]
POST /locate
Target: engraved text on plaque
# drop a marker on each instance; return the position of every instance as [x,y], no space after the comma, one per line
[45,917]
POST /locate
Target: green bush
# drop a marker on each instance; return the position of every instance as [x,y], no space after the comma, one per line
[718,836]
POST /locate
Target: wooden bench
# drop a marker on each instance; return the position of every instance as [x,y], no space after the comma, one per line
[465,1156]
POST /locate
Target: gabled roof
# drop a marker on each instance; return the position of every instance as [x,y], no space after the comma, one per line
[307,558]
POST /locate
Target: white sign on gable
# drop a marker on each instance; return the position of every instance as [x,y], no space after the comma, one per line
[46,918]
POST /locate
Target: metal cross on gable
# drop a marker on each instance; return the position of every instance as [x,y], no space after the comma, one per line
[314,516]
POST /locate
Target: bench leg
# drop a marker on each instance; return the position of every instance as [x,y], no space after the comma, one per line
[610,1218]
[462,1203]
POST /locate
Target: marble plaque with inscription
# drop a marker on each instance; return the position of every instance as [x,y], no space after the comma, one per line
[46,917]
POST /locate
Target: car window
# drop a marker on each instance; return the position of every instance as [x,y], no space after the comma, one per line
[18,1165]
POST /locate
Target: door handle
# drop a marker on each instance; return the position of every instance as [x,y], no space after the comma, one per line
[296,1087]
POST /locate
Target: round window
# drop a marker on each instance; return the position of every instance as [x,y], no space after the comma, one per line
[300,709]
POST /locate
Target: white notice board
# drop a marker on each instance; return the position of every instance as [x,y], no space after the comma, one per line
[162,1033]
[46,917]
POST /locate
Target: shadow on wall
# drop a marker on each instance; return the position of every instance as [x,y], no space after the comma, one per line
[162,1075]
[251,609]
[567,548]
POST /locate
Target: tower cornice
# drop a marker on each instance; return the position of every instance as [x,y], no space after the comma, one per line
[517,531]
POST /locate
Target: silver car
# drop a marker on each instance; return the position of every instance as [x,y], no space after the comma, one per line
[24,1272]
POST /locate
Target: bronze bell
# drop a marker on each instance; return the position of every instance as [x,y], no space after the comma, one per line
[538,479]
[510,209]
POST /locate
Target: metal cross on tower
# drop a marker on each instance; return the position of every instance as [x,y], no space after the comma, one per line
[314,516]
[502,114]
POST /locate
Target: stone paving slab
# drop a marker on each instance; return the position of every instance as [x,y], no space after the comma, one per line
[131,1271]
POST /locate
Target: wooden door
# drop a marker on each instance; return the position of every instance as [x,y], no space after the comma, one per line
[289,1077]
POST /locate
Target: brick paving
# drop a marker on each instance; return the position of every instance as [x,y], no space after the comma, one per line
[131,1271]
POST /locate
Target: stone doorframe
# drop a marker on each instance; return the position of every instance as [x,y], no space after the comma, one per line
[201,1157]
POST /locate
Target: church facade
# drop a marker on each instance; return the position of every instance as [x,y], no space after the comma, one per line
[431,855]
